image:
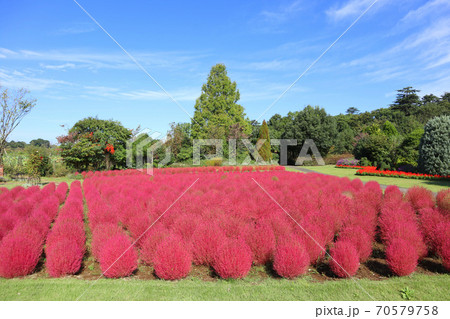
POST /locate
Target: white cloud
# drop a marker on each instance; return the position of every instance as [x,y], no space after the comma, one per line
[89,60]
[351,8]
[62,67]
[17,80]
[428,10]
[283,13]
[182,94]
[77,29]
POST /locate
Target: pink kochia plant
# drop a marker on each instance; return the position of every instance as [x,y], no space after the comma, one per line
[172,260]
[291,258]
[20,256]
[226,221]
[233,259]
[401,257]
[118,257]
[344,259]
[64,258]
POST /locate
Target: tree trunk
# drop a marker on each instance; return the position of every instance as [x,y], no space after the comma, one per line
[108,161]
[2,151]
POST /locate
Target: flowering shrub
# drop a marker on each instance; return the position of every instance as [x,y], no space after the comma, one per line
[172,260]
[64,258]
[420,197]
[117,257]
[443,201]
[205,241]
[401,257]
[152,239]
[233,259]
[344,260]
[347,162]
[261,241]
[360,239]
[291,259]
[373,171]
[20,256]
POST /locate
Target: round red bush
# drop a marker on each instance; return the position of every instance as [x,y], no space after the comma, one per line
[172,260]
[291,260]
[393,193]
[401,257]
[101,234]
[314,241]
[344,260]
[70,229]
[445,255]
[19,256]
[117,258]
[63,258]
[150,242]
[261,241]
[233,259]
[205,241]
[360,239]
[443,201]
[419,197]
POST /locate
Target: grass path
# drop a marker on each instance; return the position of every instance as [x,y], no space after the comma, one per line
[432,185]
[424,287]
[44,180]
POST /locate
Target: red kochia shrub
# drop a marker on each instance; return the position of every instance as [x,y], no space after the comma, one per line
[61,192]
[314,241]
[233,259]
[150,242]
[429,220]
[408,231]
[261,241]
[420,197]
[69,229]
[344,259]
[360,239]
[393,193]
[401,257]
[445,254]
[205,241]
[291,259]
[117,258]
[19,255]
[172,260]
[63,258]
[100,235]
[443,201]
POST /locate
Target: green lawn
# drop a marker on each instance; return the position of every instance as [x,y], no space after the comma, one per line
[432,185]
[425,287]
[44,180]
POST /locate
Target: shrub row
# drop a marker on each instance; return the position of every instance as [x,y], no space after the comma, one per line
[27,224]
[65,244]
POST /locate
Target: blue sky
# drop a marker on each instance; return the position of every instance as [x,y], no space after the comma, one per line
[75,70]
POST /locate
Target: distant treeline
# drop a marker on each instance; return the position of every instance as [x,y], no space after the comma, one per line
[37,142]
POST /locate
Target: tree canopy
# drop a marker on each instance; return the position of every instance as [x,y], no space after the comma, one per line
[15,105]
[95,144]
[217,110]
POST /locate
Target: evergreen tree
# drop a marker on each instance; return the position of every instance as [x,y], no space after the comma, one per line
[265,151]
[216,110]
[434,149]
[407,101]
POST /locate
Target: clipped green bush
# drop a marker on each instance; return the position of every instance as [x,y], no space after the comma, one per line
[434,150]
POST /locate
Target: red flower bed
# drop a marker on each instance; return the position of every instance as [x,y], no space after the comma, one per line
[373,171]
[223,221]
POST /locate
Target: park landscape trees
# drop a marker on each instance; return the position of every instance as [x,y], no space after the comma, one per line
[15,105]
[95,144]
